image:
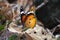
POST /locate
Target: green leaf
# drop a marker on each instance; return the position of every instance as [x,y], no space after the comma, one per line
[25,28]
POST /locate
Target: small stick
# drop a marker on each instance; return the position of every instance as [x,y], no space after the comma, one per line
[42,4]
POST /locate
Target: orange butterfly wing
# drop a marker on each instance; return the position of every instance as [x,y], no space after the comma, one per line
[23,16]
[30,20]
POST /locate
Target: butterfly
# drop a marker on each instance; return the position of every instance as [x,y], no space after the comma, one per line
[29,19]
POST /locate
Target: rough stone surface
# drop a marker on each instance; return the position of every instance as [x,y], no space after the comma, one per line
[37,33]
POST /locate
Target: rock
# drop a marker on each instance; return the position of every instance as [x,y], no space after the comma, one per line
[39,33]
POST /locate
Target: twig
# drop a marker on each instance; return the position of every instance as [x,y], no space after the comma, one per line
[42,4]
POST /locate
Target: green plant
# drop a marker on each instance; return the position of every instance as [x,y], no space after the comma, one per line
[1,27]
[58,38]
[12,37]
